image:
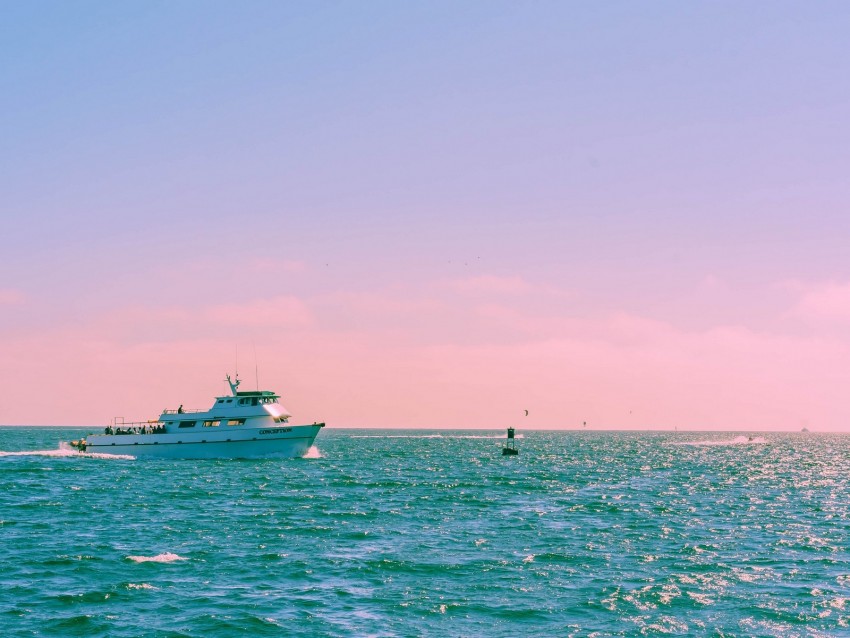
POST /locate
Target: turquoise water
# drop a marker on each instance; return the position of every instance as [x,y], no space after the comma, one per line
[412,533]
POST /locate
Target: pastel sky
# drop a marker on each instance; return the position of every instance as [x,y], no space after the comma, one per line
[433,214]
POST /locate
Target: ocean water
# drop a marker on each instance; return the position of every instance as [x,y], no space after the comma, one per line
[412,533]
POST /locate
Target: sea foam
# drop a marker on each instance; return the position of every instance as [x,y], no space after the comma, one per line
[66,451]
[166,557]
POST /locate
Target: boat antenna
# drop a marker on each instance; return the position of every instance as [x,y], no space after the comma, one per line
[256,366]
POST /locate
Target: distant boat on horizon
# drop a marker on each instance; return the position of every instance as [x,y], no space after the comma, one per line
[243,425]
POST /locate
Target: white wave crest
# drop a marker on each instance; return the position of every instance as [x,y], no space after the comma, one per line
[66,451]
[166,557]
[738,440]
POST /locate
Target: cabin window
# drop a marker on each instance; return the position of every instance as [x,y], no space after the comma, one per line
[230,400]
[254,401]
[241,401]
[220,401]
[187,424]
[211,424]
[236,422]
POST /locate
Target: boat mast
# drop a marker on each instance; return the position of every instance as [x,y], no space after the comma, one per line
[234,385]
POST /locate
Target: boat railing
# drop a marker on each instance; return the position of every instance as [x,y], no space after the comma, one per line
[119,421]
[133,424]
[179,411]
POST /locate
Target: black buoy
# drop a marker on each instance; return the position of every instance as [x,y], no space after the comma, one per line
[510,449]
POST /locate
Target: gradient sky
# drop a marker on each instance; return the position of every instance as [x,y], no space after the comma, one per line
[432,214]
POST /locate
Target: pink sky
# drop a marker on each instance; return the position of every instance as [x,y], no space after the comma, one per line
[633,215]
[452,352]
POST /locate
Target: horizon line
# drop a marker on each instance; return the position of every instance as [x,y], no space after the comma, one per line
[479,429]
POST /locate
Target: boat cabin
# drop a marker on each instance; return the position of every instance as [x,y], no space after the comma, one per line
[259,408]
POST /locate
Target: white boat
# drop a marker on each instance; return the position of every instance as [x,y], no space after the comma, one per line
[242,425]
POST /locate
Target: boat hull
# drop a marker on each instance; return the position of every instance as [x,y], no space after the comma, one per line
[267,442]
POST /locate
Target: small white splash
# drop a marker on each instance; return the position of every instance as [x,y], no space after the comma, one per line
[528,559]
[140,586]
[313,453]
[166,557]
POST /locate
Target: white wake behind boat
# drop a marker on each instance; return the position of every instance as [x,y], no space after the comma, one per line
[242,425]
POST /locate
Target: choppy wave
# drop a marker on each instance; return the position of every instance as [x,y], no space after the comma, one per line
[166,557]
[606,533]
[738,440]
